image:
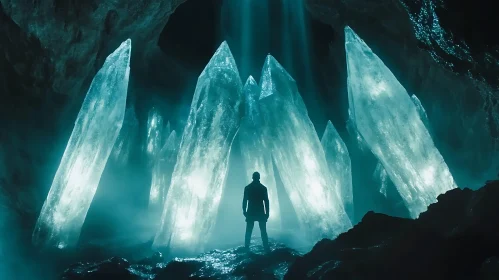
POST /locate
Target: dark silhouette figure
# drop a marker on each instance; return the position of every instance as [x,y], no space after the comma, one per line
[256,208]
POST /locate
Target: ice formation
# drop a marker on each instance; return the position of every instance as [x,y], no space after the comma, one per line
[162,172]
[255,150]
[390,124]
[421,111]
[96,129]
[354,133]
[154,134]
[166,132]
[126,139]
[340,166]
[299,156]
[381,177]
[200,172]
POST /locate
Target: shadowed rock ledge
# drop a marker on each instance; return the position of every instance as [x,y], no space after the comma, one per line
[457,238]
[229,264]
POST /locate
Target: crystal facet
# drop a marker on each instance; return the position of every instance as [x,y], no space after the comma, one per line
[390,124]
[154,134]
[255,150]
[96,129]
[299,156]
[340,166]
[126,139]
[200,172]
[162,172]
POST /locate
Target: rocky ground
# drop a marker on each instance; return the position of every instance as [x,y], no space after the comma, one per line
[457,238]
[229,264]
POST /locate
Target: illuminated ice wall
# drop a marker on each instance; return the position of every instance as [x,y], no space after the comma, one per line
[154,134]
[390,124]
[299,156]
[340,166]
[96,129]
[126,139]
[421,111]
[381,178]
[162,172]
[255,150]
[200,172]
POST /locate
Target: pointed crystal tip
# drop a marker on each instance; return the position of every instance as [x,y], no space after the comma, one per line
[271,61]
[223,59]
[330,130]
[127,42]
[270,71]
[122,52]
[125,46]
[348,29]
[250,81]
[351,36]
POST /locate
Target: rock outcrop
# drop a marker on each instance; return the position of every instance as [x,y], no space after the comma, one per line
[229,264]
[78,36]
[457,238]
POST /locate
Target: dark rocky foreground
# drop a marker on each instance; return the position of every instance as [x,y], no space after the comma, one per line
[230,264]
[457,238]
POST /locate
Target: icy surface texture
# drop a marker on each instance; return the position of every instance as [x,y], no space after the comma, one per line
[230,264]
[166,132]
[255,150]
[154,134]
[200,172]
[340,166]
[126,139]
[96,129]
[389,122]
[299,156]
[162,172]
[380,176]
[421,111]
[354,133]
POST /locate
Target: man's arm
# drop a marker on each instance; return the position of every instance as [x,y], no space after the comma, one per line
[245,202]
[267,204]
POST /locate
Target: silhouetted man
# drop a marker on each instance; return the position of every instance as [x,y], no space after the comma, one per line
[255,198]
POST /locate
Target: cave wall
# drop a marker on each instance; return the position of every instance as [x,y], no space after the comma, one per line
[78,35]
[461,102]
[49,53]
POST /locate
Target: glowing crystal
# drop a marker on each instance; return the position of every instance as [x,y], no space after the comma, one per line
[391,126]
[299,156]
[200,172]
[96,129]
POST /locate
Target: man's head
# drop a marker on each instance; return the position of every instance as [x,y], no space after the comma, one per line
[256,176]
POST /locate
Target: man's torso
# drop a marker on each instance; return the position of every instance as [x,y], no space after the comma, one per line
[256,194]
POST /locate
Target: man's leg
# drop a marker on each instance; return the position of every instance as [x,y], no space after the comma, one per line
[249,230]
[263,232]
